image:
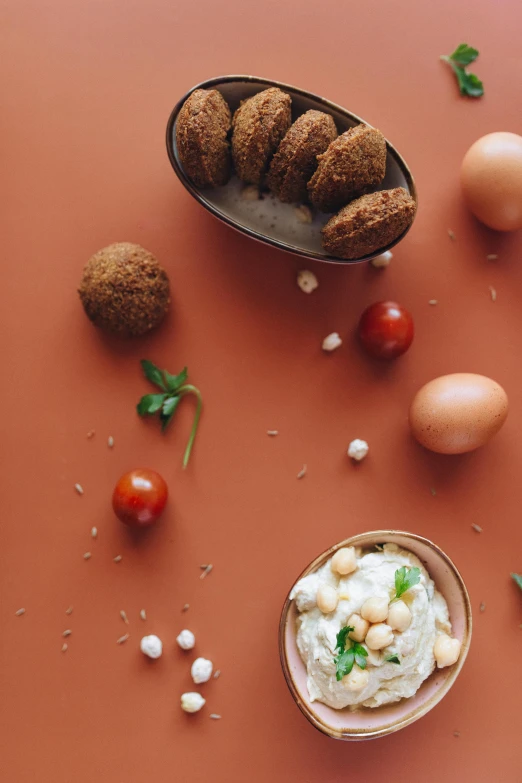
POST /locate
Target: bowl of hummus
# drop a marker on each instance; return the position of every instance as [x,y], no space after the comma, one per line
[374,633]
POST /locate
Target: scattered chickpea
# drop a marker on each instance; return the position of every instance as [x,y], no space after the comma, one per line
[446,650]
[361,627]
[379,636]
[344,561]
[357,680]
[375,609]
[399,616]
[327,599]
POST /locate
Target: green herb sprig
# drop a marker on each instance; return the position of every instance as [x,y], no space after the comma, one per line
[393,659]
[405,578]
[356,653]
[518,579]
[469,84]
[173,389]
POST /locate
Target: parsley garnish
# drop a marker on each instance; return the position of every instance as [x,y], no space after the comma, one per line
[393,659]
[356,653]
[173,388]
[469,84]
[404,579]
[518,579]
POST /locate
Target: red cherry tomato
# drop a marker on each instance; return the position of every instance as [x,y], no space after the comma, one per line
[139,497]
[386,330]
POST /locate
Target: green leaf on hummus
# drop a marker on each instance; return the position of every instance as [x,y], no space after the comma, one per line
[356,653]
[405,578]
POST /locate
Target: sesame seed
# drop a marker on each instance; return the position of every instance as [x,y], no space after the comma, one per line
[493,293]
[302,472]
[110,441]
[66,633]
[451,234]
[214,716]
[482,607]
[433,302]
[143,614]
[456,734]
[69,610]
[19,612]
[433,491]
[476,528]
[90,434]
[123,638]
[94,532]
[492,257]
[217,673]
[65,647]
[303,214]
[87,556]
[185,607]
[79,489]
[272,433]
[207,571]
[117,559]
[123,615]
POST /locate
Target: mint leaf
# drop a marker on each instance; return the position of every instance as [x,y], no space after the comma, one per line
[344,663]
[342,636]
[153,374]
[518,579]
[405,578]
[393,659]
[150,404]
[464,54]
[175,381]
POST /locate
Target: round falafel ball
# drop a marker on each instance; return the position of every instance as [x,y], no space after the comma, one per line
[296,158]
[353,164]
[124,290]
[369,223]
[258,126]
[202,130]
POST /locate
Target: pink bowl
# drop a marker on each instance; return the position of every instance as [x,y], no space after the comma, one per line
[372,723]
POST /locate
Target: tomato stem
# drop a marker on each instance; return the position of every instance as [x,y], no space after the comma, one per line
[188,388]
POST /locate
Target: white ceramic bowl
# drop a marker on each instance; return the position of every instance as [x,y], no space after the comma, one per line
[378,722]
[269,220]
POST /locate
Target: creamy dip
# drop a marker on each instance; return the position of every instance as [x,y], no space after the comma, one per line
[317,632]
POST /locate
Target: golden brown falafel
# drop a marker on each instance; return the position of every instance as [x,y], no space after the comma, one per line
[369,223]
[258,126]
[296,158]
[202,130]
[124,290]
[352,164]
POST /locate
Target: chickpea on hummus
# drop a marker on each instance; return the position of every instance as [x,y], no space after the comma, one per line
[371,627]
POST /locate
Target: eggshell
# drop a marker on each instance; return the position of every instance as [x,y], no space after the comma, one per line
[491,179]
[458,413]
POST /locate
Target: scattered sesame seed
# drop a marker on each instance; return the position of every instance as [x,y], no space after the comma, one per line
[433,491]
[123,615]
[66,633]
[482,607]
[110,441]
[272,433]
[493,293]
[69,610]
[143,614]
[94,532]
[303,214]
[204,566]
[90,434]
[79,489]
[207,571]
[382,261]
[492,257]
[185,607]
[476,528]
[250,193]
[117,559]
[123,638]
[19,612]
[217,673]
[451,234]
[302,472]
[214,716]
[87,556]
[65,647]
[433,302]
[456,734]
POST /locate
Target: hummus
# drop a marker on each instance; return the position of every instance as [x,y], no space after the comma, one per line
[317,632]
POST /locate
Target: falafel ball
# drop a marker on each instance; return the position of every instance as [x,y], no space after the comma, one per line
[258,126]
[202,130]
[124,290]
[352,164]
[296,158]
[369,223]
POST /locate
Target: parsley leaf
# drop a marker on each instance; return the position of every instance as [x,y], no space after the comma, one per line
[405,578]
[175,381]
[342,637]
[361,654]
[153,374]
[344,663]
[356,653]
[393,659]
[150,404]
[518,579]
[469,84]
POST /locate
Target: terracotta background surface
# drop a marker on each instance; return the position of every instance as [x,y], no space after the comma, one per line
[87,89]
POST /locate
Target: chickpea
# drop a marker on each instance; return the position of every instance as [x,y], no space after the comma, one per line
[379,636]
[446,650]
[327,599]
[344,561]
[357,679]
[375,610]
[399,616]
[361,627]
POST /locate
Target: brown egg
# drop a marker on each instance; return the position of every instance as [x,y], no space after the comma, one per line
[458,413]
[491,179]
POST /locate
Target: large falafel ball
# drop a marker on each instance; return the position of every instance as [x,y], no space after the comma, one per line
[202,130]
[296,158]
[369,223]
[258,126]
[353,164]
[124,290]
